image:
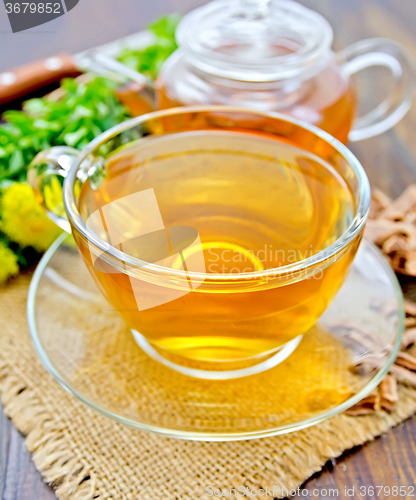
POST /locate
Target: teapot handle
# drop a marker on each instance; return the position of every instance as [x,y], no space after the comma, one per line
[390,54]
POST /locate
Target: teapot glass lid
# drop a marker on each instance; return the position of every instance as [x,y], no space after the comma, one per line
[255,40]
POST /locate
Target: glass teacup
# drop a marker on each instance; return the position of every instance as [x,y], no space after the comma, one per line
[219,234]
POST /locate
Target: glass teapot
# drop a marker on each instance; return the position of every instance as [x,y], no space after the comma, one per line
[275,55]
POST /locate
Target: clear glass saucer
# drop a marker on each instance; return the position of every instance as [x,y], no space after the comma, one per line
[90,351]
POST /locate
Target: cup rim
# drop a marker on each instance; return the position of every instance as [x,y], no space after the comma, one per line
[325,254]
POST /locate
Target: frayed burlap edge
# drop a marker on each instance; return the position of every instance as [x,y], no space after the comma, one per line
[44,437]
[74,478]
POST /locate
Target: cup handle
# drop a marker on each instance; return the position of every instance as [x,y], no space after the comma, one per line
[390,54]
[46,175]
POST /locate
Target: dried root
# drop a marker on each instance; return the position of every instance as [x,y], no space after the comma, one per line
[392,227]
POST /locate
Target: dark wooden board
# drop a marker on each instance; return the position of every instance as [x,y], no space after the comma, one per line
[390,161]
[19,479]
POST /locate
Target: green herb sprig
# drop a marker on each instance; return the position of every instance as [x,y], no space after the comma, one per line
[149,60]
[84,111]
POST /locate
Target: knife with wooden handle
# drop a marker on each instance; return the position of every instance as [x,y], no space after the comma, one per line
[22,80]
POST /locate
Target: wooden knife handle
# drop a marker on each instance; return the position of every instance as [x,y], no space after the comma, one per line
[22,80]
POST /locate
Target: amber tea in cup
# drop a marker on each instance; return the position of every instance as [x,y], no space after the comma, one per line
[218,234]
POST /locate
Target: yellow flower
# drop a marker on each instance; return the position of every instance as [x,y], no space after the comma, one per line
[8,263]
[24,221]
[52,193]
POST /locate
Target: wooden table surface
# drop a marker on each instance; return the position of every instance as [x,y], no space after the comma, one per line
[390,161]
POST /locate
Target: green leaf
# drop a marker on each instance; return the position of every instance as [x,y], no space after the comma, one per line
[148,60]
[82,111]
[73,138]
[165,26]
[34,106]
[6,183]
[42,124]
[85,110]
[16,162]
[20,120]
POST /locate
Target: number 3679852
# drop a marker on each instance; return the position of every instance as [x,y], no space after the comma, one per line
[33,8]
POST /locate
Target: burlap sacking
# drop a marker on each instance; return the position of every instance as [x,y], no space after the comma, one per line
[84,455]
